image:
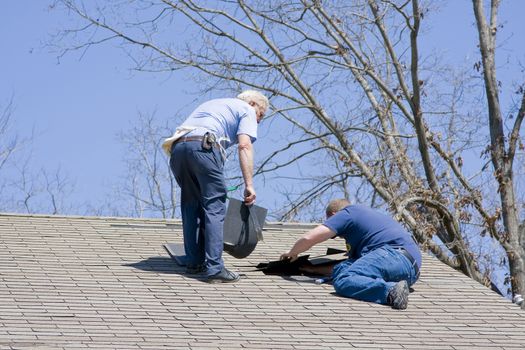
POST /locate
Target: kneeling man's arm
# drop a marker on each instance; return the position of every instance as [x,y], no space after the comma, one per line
[319,234]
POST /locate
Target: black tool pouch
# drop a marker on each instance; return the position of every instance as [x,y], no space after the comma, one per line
[208,140]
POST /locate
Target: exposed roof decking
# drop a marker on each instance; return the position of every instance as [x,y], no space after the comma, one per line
[72,282]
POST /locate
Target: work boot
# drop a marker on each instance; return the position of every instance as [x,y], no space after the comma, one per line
[225,276]
[398,295]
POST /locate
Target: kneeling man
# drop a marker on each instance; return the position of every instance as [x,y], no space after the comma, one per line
[383,259]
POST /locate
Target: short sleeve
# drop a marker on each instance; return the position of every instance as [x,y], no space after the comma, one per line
[248,124]
[339,223]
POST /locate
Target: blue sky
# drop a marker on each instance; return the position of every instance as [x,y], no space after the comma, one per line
[78,106]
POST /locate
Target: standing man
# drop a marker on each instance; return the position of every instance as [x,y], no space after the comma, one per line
[197,161]
[383,258]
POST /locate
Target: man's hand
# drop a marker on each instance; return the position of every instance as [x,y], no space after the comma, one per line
[249,195]
[316,235]
[288,256]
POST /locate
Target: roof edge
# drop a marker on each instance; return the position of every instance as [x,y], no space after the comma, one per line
[273,224]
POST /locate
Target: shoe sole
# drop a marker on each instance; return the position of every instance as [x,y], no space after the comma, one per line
[402,293]
[218,280]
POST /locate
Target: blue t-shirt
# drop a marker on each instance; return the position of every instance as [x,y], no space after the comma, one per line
[365,229]
[226,118]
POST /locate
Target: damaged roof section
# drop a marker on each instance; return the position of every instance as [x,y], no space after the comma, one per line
[84,282]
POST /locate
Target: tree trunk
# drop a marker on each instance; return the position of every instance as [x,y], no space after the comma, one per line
[501,161]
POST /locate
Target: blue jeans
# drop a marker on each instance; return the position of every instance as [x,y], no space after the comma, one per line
[199,173]
[370,277]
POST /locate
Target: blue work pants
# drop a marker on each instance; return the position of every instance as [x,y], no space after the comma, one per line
[370,277]
[199,173]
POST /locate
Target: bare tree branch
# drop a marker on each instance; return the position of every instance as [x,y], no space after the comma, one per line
[348,83]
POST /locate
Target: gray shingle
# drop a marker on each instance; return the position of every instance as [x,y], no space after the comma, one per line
[88,283]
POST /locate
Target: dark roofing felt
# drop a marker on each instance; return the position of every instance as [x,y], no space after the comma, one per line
[107,283]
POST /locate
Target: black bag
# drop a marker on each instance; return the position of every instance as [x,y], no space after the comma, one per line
[304,265]
[242,232]
[242,228]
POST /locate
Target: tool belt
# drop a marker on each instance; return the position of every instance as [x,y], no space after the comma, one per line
[208,140]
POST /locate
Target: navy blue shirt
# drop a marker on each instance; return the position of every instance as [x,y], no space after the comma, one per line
[365,229]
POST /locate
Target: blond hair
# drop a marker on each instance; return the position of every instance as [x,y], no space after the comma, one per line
[335,205]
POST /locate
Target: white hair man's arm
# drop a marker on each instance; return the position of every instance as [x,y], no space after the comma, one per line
[246,164]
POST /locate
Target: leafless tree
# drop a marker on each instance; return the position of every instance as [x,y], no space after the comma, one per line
[39,191]
[503,146]
[22,187]
[8,141]
[355,107]
[147,187]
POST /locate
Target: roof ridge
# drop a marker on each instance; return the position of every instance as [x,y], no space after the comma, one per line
[268,224]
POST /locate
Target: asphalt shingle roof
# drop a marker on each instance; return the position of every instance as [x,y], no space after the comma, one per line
[107,283]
